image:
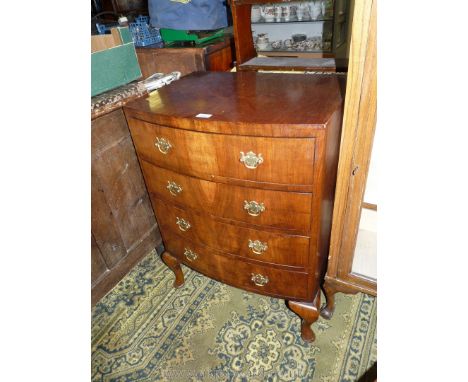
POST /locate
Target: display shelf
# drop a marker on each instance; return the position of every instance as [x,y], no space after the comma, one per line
[260,23]
[285,52]
[268,19]
[292,21]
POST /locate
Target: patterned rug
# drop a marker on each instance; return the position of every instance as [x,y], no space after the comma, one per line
[145,330]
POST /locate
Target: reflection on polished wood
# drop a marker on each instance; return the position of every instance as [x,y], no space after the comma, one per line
[257,179]
[290,250]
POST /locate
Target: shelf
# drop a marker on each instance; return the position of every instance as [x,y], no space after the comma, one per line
[300,63]
[292,21]
[290,51]
[286,52]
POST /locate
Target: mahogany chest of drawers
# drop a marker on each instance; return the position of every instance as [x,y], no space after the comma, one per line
[241,171]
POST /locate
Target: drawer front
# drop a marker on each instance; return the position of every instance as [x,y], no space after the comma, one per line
[271,160]
[285,210]
[254,244]
[257,278]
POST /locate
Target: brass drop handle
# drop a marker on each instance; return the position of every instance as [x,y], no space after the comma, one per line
[251,160]
[190,255]
[163,145]
[254,208]
[257,246]
[259,279]
[183,224]
[174,188]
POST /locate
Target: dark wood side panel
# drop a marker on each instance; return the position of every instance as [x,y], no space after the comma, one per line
[327,147]
[119,270]
[215,55]
[332,148]
[98,265]
[220,60]
[122,219]
[241,16]
[123,185]
[186,61]
[108,131]
[103,224]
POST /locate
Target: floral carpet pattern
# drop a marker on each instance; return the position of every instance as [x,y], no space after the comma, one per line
[145,330]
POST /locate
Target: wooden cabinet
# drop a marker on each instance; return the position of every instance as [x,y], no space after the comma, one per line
[241,171]
[215,56]
[285,59]
[358,135]
[123,225]
[281,20]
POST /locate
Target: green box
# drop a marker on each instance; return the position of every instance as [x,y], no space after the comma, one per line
[171,36]
[116,66]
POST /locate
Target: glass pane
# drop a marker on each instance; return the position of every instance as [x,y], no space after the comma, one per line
[365,254]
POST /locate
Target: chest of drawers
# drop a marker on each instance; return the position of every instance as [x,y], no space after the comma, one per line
[241,171]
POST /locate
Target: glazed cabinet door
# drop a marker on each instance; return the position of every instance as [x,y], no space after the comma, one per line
[355,153]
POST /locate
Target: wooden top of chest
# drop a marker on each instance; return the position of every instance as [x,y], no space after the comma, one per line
[246,103]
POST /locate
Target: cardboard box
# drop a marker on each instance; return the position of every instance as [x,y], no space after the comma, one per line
[113,61]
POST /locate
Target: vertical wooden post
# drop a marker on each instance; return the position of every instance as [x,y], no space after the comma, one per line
[356,145]
[241,16]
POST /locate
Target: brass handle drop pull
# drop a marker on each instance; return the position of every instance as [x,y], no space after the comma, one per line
[254,208]
[183,224]
[190,255]
[163,145]
[259,279]
[257,246]
[174,188]
[251,160]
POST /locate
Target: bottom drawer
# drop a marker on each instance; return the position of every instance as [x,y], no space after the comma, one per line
[233,271]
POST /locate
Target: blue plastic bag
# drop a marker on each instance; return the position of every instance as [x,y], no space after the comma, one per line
[188,14]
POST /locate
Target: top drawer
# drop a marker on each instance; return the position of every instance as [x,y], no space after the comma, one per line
[261,159]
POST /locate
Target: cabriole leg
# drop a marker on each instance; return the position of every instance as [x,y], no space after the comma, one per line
[329,291]
[174,266]
[309,313]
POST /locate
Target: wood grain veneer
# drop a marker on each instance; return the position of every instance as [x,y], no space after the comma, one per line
[294,121]
[283,210]
[215,264]
[284,161]
[282,249]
